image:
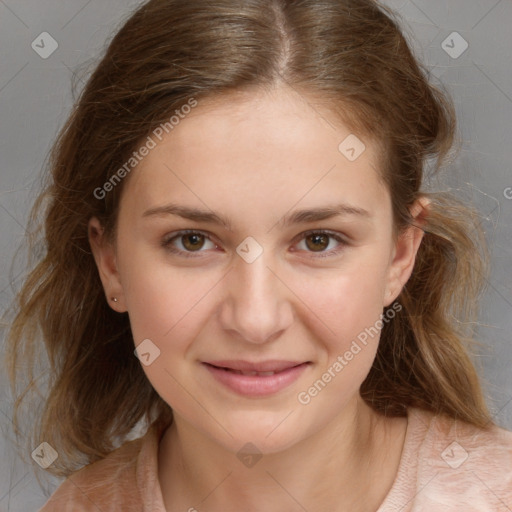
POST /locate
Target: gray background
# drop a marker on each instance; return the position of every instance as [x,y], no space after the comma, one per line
[35,99]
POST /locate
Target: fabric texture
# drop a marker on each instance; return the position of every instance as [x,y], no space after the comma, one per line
[445,466]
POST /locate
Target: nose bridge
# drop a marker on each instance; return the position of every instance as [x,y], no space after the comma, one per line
[256,305]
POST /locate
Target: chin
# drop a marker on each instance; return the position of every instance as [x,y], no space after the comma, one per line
[266,435]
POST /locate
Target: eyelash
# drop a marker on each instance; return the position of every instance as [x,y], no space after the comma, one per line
[167,243]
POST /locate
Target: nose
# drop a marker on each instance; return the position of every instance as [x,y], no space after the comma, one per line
[257,304]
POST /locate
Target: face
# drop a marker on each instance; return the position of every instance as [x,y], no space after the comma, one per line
[291,261]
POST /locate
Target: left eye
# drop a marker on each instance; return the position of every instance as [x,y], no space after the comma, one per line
[319,242]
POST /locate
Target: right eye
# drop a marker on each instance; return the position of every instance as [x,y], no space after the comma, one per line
[186,242]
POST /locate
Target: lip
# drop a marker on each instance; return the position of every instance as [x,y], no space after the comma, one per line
[270,365]
[286,372]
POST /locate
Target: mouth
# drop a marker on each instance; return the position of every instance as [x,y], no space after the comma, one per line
[256,379]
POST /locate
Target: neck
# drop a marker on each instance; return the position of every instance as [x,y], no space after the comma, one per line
[348,465]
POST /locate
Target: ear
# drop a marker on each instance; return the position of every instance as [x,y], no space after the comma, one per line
[405,250]
[105,258]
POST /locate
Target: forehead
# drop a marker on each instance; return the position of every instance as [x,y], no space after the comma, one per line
[259,149]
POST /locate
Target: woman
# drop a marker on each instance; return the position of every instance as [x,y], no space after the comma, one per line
[240,253]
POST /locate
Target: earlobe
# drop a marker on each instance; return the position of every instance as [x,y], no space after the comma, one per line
[105,258]
[405,251]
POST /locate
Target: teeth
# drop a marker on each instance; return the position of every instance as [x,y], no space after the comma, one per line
[259,374]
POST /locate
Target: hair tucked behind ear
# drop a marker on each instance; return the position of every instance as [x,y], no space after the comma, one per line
[350,55]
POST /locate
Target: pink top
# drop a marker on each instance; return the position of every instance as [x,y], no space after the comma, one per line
[446,466]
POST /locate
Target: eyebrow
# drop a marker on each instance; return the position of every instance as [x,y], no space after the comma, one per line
[296,217]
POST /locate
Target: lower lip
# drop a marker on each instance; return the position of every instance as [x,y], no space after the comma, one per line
[255,385]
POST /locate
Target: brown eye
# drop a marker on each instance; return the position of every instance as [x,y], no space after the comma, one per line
[187,243]
[193,242]
[321,244]
[317,241]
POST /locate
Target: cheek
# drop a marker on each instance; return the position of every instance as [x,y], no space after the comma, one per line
[165,307]
[162,300]
[166,310]
[346,302]
[350,306]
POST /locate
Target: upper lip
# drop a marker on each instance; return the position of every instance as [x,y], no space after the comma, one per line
[271,365]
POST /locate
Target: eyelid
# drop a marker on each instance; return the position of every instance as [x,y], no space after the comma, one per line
[334,234]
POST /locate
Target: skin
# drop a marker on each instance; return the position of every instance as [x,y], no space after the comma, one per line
[254,158]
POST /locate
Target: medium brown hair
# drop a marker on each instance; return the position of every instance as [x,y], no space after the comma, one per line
[352,54]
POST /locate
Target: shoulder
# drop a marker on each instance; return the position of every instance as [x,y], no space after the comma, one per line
[117,482]
[463,467]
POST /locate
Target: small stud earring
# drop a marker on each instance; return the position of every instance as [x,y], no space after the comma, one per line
[114,299]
